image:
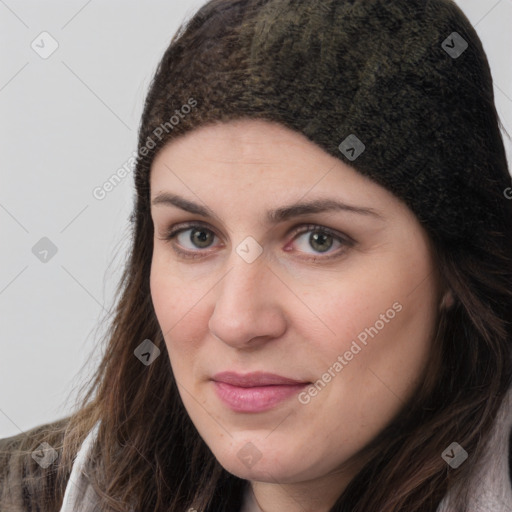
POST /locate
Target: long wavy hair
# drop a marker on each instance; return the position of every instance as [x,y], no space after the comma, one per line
[148,454]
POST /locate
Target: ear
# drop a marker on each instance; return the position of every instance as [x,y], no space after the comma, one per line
[447,301]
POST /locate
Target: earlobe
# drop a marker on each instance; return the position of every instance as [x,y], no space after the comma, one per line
[447,301]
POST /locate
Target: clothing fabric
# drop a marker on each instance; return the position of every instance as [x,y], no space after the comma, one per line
[490,486]
[77,485]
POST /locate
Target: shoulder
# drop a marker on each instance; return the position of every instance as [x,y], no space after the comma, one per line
[489,483]
[27,466]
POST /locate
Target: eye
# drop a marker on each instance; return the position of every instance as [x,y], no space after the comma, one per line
[199,236]
[321,240]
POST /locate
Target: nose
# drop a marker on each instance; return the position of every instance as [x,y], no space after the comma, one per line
[248,305]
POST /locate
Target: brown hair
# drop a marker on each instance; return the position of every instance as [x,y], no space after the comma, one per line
[149,455]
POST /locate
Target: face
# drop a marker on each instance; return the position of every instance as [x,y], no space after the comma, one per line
[338,303]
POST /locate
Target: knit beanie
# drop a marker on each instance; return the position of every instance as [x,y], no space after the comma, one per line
[400,90]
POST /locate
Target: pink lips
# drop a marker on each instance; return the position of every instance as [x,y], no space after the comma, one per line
[254,392]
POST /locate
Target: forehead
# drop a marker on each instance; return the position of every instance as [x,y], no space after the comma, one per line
[248,149]
[248,140]
[248,162]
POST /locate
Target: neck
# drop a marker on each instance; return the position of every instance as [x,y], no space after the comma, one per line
[313,496]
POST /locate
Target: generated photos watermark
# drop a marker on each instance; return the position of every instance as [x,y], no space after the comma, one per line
[454,455]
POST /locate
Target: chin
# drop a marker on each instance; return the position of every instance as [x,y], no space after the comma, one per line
[245,461]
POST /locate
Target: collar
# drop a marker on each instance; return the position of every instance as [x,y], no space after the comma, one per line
[78,486]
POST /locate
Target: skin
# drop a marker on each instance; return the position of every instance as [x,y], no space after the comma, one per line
[291,311]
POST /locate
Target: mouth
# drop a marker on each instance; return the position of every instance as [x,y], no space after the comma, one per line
[255,392]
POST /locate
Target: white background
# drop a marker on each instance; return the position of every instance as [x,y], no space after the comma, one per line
[67,124]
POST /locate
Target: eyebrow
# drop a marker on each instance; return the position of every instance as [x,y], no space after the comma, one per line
[273,216]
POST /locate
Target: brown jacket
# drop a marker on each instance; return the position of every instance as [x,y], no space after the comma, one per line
[24,476]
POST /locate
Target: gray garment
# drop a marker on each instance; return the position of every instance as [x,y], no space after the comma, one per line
[79,495]
[489,486]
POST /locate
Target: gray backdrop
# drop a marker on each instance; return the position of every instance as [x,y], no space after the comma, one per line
[73,79]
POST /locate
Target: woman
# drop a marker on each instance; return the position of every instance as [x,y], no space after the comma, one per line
[246,370]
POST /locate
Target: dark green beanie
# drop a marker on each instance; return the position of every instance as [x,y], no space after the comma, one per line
[400,90]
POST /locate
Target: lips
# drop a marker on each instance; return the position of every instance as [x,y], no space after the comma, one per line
[254,392]
[255,379]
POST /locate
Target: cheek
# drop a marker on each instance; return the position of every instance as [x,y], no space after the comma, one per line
[163,293]
[381,321]
[360,306]
[177,304]
[384,295]
[172,295]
